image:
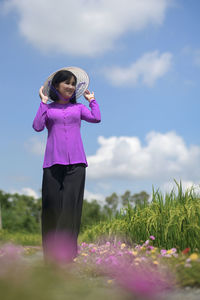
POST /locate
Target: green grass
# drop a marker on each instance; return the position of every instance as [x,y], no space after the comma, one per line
[174,219]
[29,239]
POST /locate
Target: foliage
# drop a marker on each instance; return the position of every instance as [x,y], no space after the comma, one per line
[21,213]
[174,219]
[91,214]
[22,238]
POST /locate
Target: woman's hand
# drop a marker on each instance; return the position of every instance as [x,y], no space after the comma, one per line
[88,96]
[42,96]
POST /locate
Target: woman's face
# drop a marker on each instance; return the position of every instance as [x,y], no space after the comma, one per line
[66,88]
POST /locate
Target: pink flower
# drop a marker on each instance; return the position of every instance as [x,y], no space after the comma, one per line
[152,237]
[151,247]
[10,257]
[11,251]
[111,259]
[173,250]
[98,261]
[187,265]
[163,252]
[60,247]
[141,282]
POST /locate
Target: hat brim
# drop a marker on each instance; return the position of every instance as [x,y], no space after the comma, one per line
[81,86]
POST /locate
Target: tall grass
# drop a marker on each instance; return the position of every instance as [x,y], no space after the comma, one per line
[173,218]
[22,238]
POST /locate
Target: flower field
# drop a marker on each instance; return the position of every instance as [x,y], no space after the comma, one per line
[110,269]
[145,252]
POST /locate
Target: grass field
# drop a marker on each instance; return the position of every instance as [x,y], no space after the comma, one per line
[173,218]
[156,245]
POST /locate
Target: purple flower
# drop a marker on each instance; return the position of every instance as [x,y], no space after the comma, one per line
[60,247]
[141,282]
[11,251]
[173,250]
[98,261]
[151,247]
[163,252]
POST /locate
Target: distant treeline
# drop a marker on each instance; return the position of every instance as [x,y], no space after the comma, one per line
[23,213]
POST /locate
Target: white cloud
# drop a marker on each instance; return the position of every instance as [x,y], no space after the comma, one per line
[186,185]
[94,196]
[36,145]
[164,156]
[26,191]
[146,70]
[83,27]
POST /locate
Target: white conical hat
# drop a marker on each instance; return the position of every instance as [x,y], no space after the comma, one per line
[82,81]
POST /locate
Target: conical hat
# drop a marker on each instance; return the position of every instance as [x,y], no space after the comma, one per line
[82,81]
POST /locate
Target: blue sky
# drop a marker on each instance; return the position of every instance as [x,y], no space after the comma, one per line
[143,59]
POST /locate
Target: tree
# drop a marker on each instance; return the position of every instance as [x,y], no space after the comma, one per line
[91,213]
[20,212]
[110,208]
[141,199]
[126,198]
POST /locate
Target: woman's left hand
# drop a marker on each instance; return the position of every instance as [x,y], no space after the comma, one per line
[88,96]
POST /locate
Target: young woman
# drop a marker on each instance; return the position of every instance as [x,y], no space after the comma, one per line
[64,160]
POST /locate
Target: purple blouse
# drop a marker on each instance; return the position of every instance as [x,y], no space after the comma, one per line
[63,121]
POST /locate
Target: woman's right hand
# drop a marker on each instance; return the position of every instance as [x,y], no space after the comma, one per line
[42,96]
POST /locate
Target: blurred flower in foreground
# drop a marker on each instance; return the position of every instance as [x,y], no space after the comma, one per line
[60,247]
[143,280]
[186,250]
[10,255]
[130,269]
[169,253]
[11,251]
[193,257]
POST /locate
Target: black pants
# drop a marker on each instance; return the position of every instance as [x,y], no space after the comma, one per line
[62,199]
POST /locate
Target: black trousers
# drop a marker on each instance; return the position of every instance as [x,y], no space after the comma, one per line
[62,199]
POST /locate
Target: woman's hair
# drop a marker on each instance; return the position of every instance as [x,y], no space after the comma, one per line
[61,76]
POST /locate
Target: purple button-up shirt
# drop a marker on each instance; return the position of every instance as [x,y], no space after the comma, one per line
[63,121]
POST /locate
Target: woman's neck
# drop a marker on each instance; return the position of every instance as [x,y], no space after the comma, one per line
[61,101]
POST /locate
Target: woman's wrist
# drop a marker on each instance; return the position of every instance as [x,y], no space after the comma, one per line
[43,102]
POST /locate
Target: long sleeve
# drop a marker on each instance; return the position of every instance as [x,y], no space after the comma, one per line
[40,119]
[93,115]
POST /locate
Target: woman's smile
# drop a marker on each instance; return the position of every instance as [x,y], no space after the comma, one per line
[66,89]
[69,91]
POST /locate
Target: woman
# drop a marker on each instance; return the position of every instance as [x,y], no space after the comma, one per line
[64,160]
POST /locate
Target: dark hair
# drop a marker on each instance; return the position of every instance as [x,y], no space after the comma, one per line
[61,76]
